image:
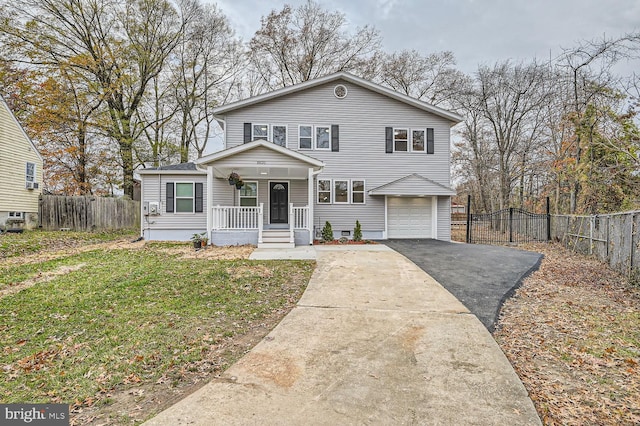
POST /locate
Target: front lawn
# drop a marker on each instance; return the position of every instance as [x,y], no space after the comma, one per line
[29,242]
[118,330]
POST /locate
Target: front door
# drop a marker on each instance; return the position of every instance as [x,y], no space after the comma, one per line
[278,200]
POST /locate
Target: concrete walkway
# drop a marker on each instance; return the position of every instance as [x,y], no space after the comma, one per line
[374,340]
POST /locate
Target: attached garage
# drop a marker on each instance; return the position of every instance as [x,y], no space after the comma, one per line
[409,217]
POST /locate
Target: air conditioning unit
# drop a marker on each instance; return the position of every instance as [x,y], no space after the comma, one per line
[29,185]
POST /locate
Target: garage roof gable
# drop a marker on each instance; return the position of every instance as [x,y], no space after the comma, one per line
[412,185]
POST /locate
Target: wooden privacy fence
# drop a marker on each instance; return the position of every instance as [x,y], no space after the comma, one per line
[88,213]
[612,238]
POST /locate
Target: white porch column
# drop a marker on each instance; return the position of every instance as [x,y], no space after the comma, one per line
[260,222]
[310,220]
[434,217]
[209,203]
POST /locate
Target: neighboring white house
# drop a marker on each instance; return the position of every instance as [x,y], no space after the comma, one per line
[20,173]
[337,149]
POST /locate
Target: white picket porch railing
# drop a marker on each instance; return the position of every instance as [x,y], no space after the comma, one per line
[300,217]
[235,218]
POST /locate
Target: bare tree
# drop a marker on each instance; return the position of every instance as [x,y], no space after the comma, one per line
[432,78]
[296,45]
[209,59]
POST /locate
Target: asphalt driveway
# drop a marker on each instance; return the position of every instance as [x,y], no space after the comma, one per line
[482,277]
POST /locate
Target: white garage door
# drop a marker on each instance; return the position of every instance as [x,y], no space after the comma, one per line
[409,217]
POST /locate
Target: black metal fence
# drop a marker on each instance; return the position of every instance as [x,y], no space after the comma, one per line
[508,226]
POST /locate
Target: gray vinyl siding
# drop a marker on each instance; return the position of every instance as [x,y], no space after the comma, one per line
[444,218]
[154,190]
[362,117]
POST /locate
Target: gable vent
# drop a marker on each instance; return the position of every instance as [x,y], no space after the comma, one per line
[340,91]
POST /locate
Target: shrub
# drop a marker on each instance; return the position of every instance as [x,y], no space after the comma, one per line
[327,232]
[357,232]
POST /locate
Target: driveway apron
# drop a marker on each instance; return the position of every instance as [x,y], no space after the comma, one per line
[482,277]
[373,340]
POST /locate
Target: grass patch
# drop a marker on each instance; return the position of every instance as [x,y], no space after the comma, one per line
[131,317]
[33,241]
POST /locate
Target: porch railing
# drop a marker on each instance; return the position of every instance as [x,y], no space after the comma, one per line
[237,218]
[300,217]
[252,218]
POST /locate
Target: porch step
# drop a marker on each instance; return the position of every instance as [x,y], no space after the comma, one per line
[276,238]
[276,245]
[276,233]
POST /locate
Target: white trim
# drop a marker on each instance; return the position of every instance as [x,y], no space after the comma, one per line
[24,133]
[330,190]
[26,172]
[335,88]
[424,140]
[394,138]
[193,198]
[286,134]
[142,201]
[315,137]
[209,203]
[342,75]
[386,217]
[266,137]
[269,198]
[255,144]
[364,192]
[434,217]
[256,197]
[311,142]
[310,203]
[348,191]
[170,172]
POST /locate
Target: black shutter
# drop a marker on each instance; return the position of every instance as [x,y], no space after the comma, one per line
[170,197]
[389,140]
[430,140]
[247,132]
[335,138]
[199,203]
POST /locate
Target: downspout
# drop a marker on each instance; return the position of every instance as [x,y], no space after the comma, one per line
[311,200]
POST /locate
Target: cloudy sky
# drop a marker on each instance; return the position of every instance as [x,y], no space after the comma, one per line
[476,31]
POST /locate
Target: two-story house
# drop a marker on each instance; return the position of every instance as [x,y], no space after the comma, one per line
[20,173]
[337,149]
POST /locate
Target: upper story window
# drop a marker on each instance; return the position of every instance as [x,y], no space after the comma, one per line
[279,134]
[400,139]
[30,172]
[305,134]
[260,131]
[323,137]
[417,140]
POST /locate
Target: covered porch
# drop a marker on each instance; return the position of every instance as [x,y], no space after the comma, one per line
[271,206]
